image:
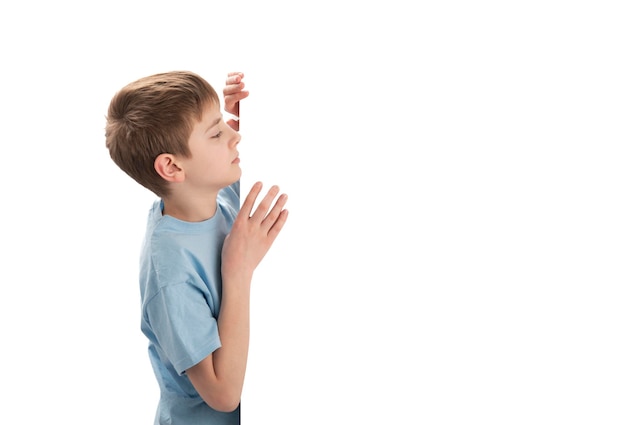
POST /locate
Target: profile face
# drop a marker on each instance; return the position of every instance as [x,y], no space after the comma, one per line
[214,160]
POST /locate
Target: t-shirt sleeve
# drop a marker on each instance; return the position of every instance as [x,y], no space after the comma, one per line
[183,324]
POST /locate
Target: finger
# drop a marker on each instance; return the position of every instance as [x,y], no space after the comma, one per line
[231,102]
[273,215]
[233,99]
[231,89]
[234,124]
[234,78]
[278,225]
[246,207]
[264,206]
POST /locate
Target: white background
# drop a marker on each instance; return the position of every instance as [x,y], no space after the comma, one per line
[455,249]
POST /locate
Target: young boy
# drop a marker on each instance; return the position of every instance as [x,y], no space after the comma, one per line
[167,132]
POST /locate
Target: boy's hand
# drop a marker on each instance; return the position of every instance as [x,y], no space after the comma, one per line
[253,233]
[233,93]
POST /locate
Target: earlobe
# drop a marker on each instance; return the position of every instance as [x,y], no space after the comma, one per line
[165,165]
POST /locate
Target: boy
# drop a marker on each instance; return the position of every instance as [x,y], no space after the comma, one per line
[200,250]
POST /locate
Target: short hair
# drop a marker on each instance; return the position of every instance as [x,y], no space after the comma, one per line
[155,115]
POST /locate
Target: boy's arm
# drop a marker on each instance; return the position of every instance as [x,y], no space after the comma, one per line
[219,377]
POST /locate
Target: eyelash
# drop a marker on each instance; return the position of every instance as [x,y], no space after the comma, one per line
[217,135]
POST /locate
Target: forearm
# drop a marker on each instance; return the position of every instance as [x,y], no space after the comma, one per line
[230,360]
[219,377]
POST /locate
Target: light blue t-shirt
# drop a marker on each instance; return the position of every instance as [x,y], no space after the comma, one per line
[181,288]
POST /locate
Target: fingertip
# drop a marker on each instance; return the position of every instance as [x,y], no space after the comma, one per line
[255,189]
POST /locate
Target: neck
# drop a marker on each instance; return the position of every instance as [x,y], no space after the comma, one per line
[190,208]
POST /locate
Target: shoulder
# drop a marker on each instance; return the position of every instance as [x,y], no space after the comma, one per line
[229,199]
[230,193]
[165,253]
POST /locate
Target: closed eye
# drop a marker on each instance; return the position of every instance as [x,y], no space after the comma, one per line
[217,135]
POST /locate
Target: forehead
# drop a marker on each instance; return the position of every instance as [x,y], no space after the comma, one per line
[211,111]
[211,116]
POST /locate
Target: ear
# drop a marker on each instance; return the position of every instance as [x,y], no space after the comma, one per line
[165,166]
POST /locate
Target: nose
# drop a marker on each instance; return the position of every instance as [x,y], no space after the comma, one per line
[235,137]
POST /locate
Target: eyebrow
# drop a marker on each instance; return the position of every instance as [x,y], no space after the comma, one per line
[216,122]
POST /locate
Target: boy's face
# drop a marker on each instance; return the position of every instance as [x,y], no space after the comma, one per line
[214,160]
